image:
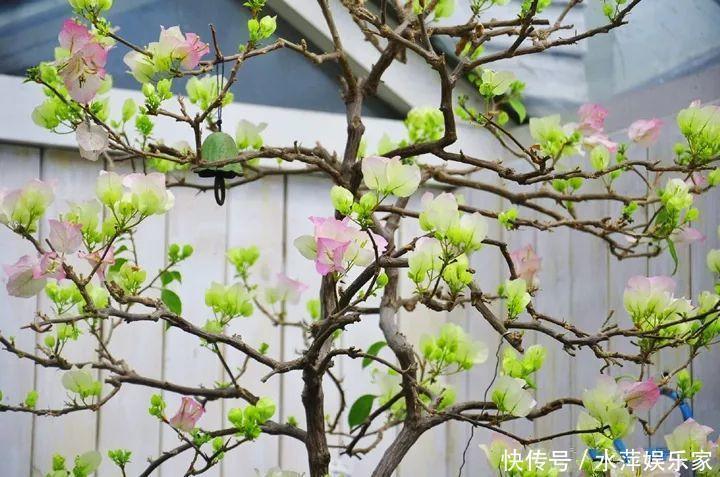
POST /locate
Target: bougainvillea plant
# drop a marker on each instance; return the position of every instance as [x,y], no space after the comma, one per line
[87,267]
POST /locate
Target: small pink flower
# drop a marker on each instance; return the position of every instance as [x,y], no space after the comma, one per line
[645,131]
[640,396]
[188,415]
[49,266]
[97,257]
[335,245]
[195,49]
[188,48]
[657,284]
[330,254]
[599,139]
[592,117]
[697,180]
[688,235]
[526,263]
[21,280]
[65,237]
[288,289]
[83,70]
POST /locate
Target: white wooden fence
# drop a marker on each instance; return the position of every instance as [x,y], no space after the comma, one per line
[579,282]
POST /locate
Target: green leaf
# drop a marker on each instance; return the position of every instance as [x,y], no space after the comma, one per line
[166,278]
[360,410]
[118,263]
[519,108]
[373,350]
[673,254]
[169,276]
[172,301]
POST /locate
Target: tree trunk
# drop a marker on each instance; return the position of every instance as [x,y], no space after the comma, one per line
[315,442]
[397,450]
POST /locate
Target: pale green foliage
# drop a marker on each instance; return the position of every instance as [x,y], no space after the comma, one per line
[81,383]
[242,258]
[523,367]
[687,386]
[452,350]
[248,421]
[157,406]
[516,296]
[129,277]
[555,140]
[205,90]
[261,29]
[511,397]
[425,124]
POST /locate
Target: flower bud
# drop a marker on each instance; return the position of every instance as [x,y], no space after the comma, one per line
[368,201]
[342,199]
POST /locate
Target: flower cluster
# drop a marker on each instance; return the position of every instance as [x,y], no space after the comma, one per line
[227,302]
[511,392]
[80,61]
[130,199]
[336,246]
[135,194]
[248,421]
[452,350]
[555,140]
[82,383]
[701,127]
[651,304]
[174,50]
[609,410]
[444,255]
[20,209]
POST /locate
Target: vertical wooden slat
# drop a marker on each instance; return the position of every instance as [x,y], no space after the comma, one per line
[17,166]
[490,272]
[555,299]
[705,366]
[306,196]
[429,451]
[619,272]
[74,433]
[669,359]
[255,218]
[198,221]
[140,346]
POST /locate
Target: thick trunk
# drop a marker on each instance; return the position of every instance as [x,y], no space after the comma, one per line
[397,450]
[315,441]
[313,398]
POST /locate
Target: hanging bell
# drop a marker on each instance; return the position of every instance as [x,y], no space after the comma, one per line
[218,147]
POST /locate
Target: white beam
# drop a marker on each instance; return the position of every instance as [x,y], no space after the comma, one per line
[404,85]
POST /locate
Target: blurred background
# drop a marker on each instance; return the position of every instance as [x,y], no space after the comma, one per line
[668,56]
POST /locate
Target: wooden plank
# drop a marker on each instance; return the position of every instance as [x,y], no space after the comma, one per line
[704,367]
[490,272]
[555,299]
[140,346]
[669,359]
[74,433]
[619,272]
[196,220]
[17,166]
[430,450]
[306,196]
[255,218]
